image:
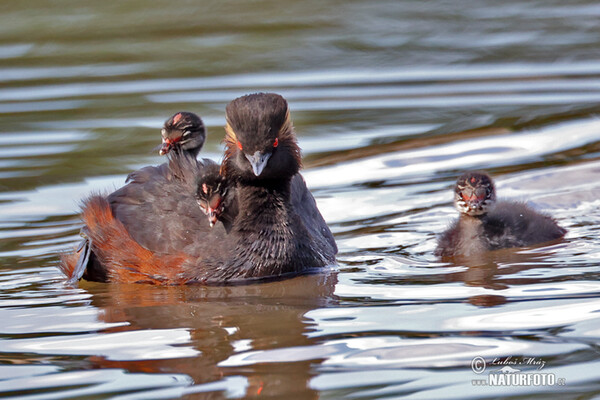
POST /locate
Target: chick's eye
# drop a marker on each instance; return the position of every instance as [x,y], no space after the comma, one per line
[239,145]
[276,142]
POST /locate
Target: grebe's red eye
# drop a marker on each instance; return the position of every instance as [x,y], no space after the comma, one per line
[239,145]
[276,142]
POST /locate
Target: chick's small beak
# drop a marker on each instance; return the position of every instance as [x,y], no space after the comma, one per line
[258,161]
[165,147]
[212,216]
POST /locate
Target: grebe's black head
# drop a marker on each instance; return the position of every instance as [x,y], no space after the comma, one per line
[260,140]
[185,132]
[474,193]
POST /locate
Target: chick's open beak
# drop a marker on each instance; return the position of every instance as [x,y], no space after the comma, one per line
[165,147]
[212,216]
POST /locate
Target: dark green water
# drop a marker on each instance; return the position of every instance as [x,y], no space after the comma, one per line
[391,100]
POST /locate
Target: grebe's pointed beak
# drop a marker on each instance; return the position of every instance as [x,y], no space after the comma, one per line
[258,161]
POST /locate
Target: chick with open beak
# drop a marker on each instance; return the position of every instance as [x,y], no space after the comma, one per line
[211,196]
[183,132]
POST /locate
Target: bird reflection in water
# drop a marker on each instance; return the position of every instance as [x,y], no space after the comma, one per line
[222,321]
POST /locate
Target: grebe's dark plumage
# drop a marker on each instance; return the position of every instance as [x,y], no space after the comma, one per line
[143,203]
[138,235]
[485,224]
[251,158]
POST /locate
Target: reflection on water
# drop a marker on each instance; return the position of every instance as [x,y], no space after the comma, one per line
[391,100]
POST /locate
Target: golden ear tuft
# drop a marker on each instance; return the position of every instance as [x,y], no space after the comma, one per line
[286,128]
[231,142]
[287,137]
[230,136]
